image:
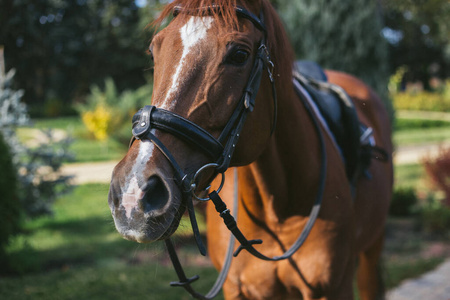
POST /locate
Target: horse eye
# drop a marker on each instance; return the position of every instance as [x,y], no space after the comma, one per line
[238,57]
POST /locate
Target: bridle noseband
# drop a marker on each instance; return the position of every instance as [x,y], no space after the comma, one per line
[220,151]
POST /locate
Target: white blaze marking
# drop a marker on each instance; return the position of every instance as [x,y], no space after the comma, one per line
[191,34]
[133,193]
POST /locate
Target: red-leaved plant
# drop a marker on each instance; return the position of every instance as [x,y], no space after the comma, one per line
[438,169]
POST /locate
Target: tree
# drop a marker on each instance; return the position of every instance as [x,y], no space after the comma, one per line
[418,32]
[339,35]
[61,48]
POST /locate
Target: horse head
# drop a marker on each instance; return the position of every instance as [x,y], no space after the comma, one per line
[204,67]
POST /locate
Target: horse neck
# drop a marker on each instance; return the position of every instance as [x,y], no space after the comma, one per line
[283,181]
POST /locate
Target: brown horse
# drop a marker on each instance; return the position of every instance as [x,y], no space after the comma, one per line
[202,62]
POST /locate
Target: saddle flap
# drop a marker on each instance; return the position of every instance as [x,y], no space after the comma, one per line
[337,110]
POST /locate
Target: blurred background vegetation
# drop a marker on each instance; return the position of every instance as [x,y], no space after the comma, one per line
[61,48]
[74,73]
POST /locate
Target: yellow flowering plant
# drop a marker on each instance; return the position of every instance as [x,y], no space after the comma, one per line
[107,111]
[416,98]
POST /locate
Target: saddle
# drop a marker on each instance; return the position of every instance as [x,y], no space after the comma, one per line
[354,139]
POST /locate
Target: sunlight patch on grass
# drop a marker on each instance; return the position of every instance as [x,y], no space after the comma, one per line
[421,136]
[409,175]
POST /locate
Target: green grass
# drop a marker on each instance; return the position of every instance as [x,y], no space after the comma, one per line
[65,123]
[395,273]
[77,254]
[104,282]
[409,175]
[416,131]
[408,124]
[87,150]
[84,147]
[421,136]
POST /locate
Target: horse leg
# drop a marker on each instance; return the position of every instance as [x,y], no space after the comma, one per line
[370,283]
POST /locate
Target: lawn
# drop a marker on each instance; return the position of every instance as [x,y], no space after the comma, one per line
[86,148]
[410,176]
[77,254]
[416,131]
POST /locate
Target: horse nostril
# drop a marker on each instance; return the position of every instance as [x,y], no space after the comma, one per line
[156,195]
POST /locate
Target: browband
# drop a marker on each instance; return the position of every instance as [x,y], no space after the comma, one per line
[240,11]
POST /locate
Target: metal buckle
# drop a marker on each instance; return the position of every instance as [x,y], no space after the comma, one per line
[268,61]
[193,184]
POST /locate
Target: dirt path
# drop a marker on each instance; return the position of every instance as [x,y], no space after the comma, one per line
[434,285]
[100,172]
[93,172]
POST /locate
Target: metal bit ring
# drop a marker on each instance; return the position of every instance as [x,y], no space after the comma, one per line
[193,183]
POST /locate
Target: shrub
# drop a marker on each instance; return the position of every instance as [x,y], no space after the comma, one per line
[37,169]
[403,202]
[435,217]
[40,180]
[106,111]
[9,202]
[100,121]
[438,100]
[438,170]
[408,124]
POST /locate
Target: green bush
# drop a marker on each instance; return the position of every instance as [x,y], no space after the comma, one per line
[106,111]
[408,124]
[435,217]
[39,179]
[438,100]
[403,202]
[10,210]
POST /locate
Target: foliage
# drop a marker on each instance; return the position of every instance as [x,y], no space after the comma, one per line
[435,216]
[107,111]
[61,48]
[403,201]
[438,170]
[403,124]
[100,122]
[340,35]
[37,168]
[418,33]
[396,80]
[9,203]
[423,100]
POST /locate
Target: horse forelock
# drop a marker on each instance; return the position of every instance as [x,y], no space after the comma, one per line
[277,39]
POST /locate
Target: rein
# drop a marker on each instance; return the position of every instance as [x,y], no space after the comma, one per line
[220,150]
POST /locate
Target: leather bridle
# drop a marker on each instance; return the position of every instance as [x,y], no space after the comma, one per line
[220,151]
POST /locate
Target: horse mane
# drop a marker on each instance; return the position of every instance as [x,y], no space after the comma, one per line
[277,40]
